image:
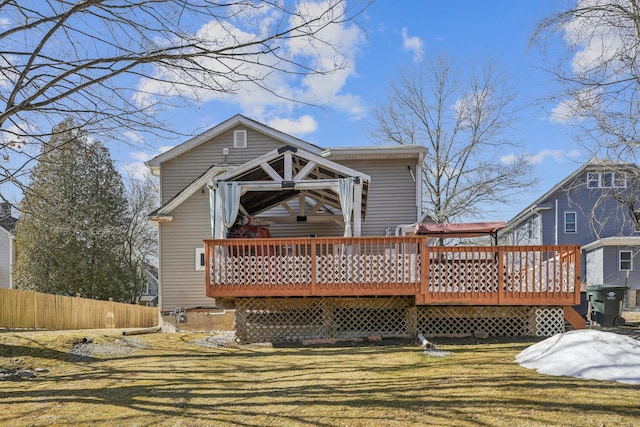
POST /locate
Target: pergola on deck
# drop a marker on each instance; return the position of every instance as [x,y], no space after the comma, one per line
[395,267]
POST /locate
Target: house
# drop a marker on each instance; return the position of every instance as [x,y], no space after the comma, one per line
[308,242]
[7,249]
[149,295]
[594,207]
[388,190]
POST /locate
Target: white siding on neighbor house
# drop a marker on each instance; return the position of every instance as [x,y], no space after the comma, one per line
[181,285]
[179,172]
[5,259]
[527,233]
[594,266]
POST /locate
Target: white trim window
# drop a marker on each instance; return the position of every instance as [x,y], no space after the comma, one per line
[625,260]
[200,261]
[570,222]
[606,180]
[239,139]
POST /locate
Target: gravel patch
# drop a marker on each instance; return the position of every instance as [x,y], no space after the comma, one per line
[89,350]
[218,339]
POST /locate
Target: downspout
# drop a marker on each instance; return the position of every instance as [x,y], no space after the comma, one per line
[556,224]
[418,179]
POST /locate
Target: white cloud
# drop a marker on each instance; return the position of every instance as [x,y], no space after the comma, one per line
[332,53]
[558,156]
[137,169]
[134,137]
[412,44]
[302,126]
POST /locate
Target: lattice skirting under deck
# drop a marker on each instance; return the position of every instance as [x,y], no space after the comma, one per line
[462,321]
[297,319]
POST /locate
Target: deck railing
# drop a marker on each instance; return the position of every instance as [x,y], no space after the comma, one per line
[368,266]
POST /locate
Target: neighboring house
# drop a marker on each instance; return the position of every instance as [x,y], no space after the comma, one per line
[582,209]
[384,181]
[149,295]
[7,249]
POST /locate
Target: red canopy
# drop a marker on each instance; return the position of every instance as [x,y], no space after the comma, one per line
[469,229]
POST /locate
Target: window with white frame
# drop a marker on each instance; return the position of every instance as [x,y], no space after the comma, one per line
[570,222]
[593,180]
[606,180]
[240,139]
[625,260]
[200,259]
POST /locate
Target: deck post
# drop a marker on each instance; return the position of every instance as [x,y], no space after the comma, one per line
[502,289]
[424,270]
[314,267]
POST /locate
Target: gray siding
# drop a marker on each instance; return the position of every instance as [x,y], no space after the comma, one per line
[610,268]
[613,218]
[181,285]
[392,195]
[179,172]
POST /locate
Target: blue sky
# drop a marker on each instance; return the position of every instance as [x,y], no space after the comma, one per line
[391,34]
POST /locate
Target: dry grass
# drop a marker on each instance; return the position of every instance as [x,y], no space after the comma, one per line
[172,382]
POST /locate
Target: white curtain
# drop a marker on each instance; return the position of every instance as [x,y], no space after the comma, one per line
[346,203]
[224,204]
[231,202]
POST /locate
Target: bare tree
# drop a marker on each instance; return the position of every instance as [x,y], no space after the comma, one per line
[598,75]
[112,65]
[142,234]
[470,168]
[598,89]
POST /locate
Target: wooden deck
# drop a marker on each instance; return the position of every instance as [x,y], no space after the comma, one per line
[385,266]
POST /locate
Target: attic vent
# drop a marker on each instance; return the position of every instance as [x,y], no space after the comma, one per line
[240,139]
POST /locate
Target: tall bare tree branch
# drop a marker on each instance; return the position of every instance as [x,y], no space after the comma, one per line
[112,65]
[462,121]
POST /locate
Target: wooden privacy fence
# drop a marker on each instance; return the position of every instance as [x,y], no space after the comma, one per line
[34,310]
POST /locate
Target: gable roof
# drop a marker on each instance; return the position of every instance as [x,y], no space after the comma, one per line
[6,220]
[592,165]
[271,169]
[237,120]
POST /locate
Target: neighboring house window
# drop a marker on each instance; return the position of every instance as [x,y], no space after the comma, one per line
[147,290]
[606,180]
[530,229]
[593,180]
[200,259]
[626,260]
[619,180]
[570,225]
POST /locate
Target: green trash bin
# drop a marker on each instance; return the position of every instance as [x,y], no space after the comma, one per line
[605,304]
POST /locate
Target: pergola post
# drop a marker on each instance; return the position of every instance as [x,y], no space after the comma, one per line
[357,208]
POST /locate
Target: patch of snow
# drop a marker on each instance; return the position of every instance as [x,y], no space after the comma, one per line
[588,354]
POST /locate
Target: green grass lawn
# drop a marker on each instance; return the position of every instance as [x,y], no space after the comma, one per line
[172,382]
